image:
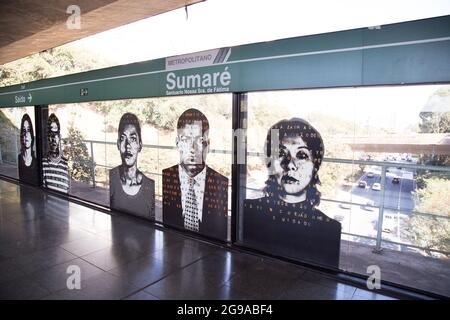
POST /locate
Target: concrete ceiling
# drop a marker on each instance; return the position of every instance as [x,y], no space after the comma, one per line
[31,26]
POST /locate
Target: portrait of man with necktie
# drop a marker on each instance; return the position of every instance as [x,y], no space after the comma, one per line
[195,197]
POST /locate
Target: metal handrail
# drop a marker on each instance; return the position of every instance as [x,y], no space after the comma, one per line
[383,164]
[396,243]
[367,205]
[335,160]
[425,214]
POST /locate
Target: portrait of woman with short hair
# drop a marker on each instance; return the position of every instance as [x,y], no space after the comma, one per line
[286,221]
[130,190]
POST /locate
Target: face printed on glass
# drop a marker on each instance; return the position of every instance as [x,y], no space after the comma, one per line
[26,134]
[129,145]
[294,166]
[192,145]
[54,138]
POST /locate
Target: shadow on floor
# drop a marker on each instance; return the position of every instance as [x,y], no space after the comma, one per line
[41,236]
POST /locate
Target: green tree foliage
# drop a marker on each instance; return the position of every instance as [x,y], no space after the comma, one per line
[50,63]
[433,186]
[429,197]
[161,117]
[436,120]
[9,139]
[81,165]
[431,233]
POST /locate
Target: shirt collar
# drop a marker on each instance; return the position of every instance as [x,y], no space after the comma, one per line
[185,177]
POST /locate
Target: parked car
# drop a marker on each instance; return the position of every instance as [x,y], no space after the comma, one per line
[376,186]
[344,205]
[396,180]
[362,184]
[370,174]
[369,206]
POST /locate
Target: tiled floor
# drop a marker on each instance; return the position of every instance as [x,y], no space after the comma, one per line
[41,236]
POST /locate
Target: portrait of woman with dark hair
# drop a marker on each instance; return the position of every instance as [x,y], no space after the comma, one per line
[28,167]
[286,221]
[129,189]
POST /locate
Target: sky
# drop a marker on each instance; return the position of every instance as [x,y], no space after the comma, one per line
[393,108]
[220,23]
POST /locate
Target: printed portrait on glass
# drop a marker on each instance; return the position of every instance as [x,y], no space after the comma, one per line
[28,166]
[55,170]
[129,189]
[195,197]
[286,221]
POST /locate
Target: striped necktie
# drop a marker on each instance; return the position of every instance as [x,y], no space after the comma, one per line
[191,209]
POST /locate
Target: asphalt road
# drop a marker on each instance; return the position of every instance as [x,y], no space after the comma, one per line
[398,204]
[396,197]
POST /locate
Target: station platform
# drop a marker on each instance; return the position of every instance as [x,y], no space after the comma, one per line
[122,257]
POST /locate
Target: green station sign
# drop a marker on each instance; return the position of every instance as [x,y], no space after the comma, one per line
[415,52]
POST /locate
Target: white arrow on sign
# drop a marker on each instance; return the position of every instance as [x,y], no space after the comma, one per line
[30,97]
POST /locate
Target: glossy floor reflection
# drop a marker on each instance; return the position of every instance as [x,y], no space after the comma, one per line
[42,237]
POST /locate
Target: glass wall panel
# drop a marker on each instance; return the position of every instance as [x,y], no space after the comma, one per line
[117,152]
[18,144]
[372,161]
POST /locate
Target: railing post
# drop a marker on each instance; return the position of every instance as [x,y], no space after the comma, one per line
[93,165]
[16,149]
[378,248]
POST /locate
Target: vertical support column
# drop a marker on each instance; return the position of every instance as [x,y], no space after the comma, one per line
[378,248]
[239,163]
[40,118]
